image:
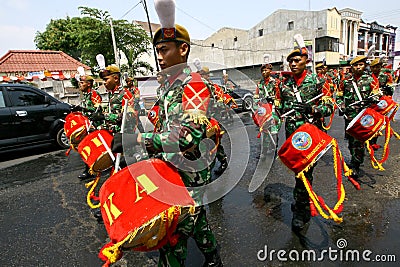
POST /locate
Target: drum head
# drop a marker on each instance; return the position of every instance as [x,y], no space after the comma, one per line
[353,121]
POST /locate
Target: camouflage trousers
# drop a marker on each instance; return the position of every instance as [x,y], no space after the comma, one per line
[356,148]
[195,226]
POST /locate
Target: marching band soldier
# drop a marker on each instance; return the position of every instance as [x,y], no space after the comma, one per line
[267,90]
[302,92]
[90,104]
[182,129]
[384,78]
[218,95]
[359,92]
[116,97]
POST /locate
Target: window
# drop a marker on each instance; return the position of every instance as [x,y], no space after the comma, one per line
[290,25]
[260,32]
[235,39]
[21,97]
[326,44]
[2,103]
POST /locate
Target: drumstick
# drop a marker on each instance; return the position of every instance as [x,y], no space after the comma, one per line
[118,159]
[106,146]
[309,101]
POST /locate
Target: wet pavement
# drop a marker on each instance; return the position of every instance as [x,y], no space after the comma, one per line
[45,220]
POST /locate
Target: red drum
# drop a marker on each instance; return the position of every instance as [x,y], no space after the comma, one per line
[142,204]
[366,124]
[153,115]
[304,147]
[386,106]
[75,127]
[262,114]
[95,150]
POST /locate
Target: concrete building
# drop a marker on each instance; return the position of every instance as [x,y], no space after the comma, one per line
[330,34]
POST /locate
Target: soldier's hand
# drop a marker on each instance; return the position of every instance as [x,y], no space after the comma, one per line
[128,139]
[302,107]
[97,117]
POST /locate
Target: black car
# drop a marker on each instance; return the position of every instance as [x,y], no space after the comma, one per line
[29,116]
[243,97]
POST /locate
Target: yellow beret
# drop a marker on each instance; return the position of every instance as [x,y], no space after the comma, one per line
[376,61]
[358,59]
[204,70]
[112,69]
[297,52]
[319,65]
[179,33]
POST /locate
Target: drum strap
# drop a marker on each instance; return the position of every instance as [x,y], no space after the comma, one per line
[266,91]
[297,94]
[317,203]
[357,91]
[377,164]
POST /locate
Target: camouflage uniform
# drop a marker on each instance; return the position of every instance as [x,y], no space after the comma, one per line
[309,88]
[180,132]
[368,89]
[90,104]
[116,104]
[267,91]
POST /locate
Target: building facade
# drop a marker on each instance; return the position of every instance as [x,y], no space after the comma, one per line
[332,35]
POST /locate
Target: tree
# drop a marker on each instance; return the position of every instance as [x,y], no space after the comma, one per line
[85,37]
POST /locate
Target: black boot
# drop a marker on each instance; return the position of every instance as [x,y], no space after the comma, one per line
[85,174]
[301,216]
[355,170]
[212,259]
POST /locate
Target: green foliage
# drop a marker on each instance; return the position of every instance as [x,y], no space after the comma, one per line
[86,36]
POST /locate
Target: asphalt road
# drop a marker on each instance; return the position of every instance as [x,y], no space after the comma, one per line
[45,221]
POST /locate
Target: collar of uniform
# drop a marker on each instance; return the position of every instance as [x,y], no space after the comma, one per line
[299,80]
[179,76]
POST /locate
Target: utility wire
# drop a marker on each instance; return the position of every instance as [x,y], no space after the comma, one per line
[195,19]
[126,13]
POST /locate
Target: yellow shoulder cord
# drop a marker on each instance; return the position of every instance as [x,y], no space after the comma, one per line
[377,164]
[317,201]
[90,194]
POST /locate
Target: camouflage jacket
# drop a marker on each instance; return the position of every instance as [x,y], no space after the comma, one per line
[308,87]
[368,89]
[179,136]
[385,79]
[115,108]
[267,88]
[90,102]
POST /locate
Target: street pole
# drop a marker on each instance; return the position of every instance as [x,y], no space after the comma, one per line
[151,32]
[114,44]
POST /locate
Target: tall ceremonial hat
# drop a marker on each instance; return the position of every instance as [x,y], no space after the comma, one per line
[169,31]
[301,49]
[82,75]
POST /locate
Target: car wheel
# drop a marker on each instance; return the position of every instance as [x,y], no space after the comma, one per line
[247,103]
[62,139]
